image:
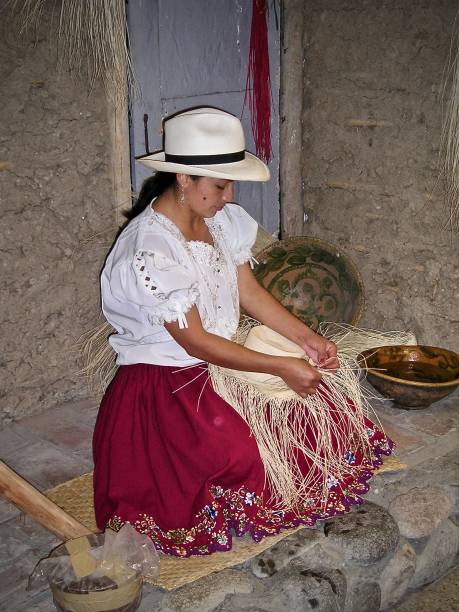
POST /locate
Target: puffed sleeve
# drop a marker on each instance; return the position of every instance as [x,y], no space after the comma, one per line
[157,281]
[239,230]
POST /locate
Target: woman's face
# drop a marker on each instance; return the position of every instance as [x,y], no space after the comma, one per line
[206,196]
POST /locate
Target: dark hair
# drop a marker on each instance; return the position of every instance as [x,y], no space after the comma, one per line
[151,188]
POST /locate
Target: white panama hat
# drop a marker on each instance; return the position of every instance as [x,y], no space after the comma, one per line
[206,142]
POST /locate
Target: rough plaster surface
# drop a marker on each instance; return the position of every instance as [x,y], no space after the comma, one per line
[55,194]
[373,190]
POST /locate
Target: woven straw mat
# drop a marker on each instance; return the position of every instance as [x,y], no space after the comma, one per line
[76,498]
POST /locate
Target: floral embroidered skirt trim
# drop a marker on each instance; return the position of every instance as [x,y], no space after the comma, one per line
[177,462]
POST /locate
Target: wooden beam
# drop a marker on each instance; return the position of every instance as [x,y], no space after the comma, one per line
[117,112]
[291,117]
[28,499]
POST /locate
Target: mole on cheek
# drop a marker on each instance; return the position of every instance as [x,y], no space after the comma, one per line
[204,198]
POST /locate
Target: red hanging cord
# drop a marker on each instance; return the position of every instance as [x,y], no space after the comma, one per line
[258,84]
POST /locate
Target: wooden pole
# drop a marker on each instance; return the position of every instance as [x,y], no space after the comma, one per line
[291,118]
[28,499]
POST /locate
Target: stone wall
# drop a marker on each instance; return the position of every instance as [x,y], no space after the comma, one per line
[56,195]
[372,189]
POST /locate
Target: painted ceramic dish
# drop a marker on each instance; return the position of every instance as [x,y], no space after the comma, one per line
[412,376]
[312,279]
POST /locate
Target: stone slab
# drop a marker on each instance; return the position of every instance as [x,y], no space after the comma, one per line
[295,588]
[7,510]
[363,597]
[365,535]
[420,510]
[69,426]
[206,594]
[396,576]
[46,465]
[438,555]
[437,447]
[11,442]
[279,556]
[404,439]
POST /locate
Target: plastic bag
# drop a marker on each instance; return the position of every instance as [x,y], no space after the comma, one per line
[130,549]
[123,553]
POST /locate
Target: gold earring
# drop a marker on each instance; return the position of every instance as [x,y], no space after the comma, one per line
[180,196]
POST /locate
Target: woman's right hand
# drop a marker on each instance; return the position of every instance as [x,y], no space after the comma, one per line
[299,375]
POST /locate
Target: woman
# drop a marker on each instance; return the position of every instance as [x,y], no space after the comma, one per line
[171,456]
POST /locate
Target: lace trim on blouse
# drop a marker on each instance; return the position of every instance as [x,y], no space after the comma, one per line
[170,307]
[219,257]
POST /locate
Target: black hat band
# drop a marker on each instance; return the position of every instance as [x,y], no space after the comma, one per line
[205,160]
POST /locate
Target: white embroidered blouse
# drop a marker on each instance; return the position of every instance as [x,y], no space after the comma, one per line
[154,275]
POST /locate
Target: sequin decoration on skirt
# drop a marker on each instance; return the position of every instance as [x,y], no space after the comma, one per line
[178,462]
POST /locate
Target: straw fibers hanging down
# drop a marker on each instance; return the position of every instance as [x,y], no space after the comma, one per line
[278,418]
[98,358]
[92,40]
[281,421]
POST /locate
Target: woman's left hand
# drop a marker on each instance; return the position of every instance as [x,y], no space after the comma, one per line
[321,351]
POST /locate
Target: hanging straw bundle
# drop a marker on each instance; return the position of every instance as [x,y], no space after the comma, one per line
[98,357]
[92,39]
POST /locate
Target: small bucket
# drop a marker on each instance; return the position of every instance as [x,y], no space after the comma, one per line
[114,592]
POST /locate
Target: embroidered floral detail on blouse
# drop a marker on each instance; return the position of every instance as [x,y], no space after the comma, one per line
[214,266]
[207,255]
[242,256]
[166,307]
[143,272]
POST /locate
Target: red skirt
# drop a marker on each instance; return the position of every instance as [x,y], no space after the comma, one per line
[178,463]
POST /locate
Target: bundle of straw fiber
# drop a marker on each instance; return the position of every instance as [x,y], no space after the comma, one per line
[92,39]
[99,359]
[278,418]
[282,422]
[353,341]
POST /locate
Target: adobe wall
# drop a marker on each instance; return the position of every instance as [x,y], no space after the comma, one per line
[373,191]
[56,193]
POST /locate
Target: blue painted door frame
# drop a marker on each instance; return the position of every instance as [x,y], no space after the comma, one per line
[188,53]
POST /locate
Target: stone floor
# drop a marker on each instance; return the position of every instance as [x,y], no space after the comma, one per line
[53,447]
[440,596]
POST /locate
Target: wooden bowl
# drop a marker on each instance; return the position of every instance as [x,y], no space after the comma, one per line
[412,376]
[312,279]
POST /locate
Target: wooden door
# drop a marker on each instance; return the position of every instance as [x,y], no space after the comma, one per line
[188,53]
